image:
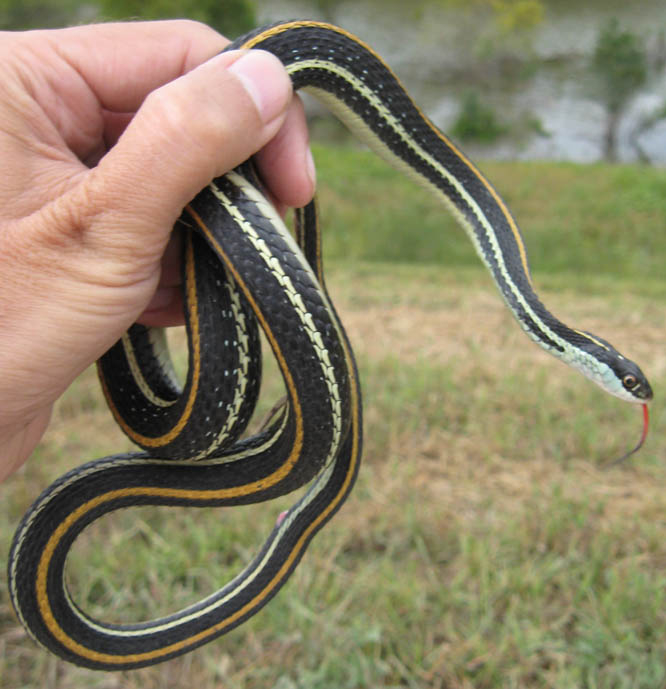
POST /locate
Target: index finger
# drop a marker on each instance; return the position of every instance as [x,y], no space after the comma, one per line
[123,63]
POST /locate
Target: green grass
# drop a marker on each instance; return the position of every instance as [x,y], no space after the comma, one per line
[591,219]
[486,546]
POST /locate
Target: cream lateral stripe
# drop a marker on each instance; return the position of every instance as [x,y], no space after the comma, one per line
[116,462]
[243,578]
[194,374]
[366,134]
[242,339]
[158,341]
[268,211]
[411,143]
[295,66]
[137,374]
[292,294]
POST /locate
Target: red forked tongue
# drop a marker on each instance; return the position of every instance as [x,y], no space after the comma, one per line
[646,424]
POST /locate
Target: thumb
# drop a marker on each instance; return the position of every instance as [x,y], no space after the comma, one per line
[185,133]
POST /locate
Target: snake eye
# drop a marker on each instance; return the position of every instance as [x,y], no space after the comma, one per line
[629,381]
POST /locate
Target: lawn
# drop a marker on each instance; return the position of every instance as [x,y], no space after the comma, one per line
[486,544]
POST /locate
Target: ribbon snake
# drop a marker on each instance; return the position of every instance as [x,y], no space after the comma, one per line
[244,270]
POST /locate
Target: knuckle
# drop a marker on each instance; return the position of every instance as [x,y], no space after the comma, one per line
[176,112]
[187,113]
[166,109]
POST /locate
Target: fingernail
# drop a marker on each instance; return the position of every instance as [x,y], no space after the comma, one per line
[266,82]
[310,167]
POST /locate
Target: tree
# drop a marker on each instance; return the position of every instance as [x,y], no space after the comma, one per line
[476,121]
[620,65]
[645,123]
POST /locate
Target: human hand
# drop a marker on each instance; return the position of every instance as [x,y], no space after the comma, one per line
[106,132]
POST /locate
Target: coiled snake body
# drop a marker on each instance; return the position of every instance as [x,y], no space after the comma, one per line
[242,267]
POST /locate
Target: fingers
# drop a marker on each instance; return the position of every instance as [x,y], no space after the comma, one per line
[87,258]
[166,305]
[286,162]
[187,132]
[99,245]
[287,169]
[122,63]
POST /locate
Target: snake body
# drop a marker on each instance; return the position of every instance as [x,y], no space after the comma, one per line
[242,267]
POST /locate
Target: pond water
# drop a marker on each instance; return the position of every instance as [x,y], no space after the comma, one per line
[440,55]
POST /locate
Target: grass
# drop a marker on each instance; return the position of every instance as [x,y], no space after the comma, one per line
[592,219]
[485,545]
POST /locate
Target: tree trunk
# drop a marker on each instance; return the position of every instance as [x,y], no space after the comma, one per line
[610,136]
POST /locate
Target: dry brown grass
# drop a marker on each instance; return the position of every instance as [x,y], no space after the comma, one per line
[461,560]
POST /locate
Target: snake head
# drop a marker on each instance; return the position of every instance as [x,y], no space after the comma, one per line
[633,381]
[616,374]
[622,377]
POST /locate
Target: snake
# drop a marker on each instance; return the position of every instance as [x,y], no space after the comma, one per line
[245,272]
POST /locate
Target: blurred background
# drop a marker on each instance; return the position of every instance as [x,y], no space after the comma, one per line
[487,545]
[554,79]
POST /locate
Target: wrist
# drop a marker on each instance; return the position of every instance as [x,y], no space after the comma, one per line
[18,440]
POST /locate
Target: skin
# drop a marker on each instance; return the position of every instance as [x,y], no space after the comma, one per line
[106,132]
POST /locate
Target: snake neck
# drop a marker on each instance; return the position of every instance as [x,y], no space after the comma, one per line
[357,86]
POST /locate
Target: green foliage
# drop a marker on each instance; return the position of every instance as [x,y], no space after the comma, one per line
[32,14]
[230,17]
[620,64]
[476,121]
[510,15]
[518,15]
